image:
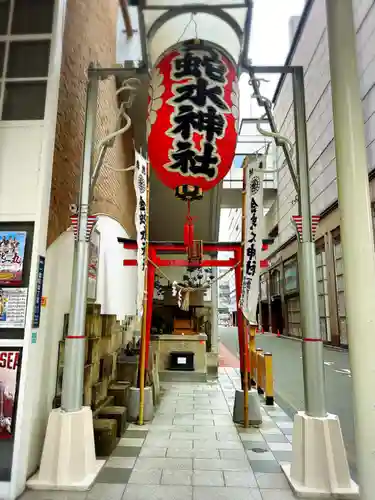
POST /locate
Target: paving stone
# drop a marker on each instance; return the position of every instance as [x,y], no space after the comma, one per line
[283,456]
[265,466]
[249,445]
[233,454]
[275,438]
[195,453]
[273,481]
[113,475]
[157,492]
[225,493]
[208,478]
[149,452]
[151,476]
[280,446]
[122,462]
[144,464]
[131,442]
[240,479]
[126,451]
[103,491]
[260,454]
[220,464]
[277,495]
[218,445]
[135,434]
[178,477]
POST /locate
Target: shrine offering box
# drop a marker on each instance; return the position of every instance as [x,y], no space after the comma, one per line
[181,361]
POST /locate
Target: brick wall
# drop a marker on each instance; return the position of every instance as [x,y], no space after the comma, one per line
[90,35]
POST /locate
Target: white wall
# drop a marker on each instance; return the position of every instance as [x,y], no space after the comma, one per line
[115,292]
[312,54]
[20,150]
[117,285]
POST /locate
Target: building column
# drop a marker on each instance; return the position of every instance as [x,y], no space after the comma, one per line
[356,230]
[214,313]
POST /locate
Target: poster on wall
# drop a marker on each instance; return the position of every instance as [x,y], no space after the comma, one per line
[93,265]
[12,253]
[141,215]
[253,244]
[13,303]
[9,366]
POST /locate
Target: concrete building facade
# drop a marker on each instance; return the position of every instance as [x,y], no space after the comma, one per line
[45,49]
[279,284]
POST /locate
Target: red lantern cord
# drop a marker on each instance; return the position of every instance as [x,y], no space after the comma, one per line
[188,229]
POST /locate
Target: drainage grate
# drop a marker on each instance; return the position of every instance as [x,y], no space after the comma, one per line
[258,450]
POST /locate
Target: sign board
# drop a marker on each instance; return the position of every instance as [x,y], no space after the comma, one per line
[13,302]
[9,366]
[38,292]
[12,253]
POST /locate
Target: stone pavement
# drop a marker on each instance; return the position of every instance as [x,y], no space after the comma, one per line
[193,451]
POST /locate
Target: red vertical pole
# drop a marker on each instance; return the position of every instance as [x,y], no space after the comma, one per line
[150,297]
[240,322]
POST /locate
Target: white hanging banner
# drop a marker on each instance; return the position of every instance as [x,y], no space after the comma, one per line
[253,244]
[141,214]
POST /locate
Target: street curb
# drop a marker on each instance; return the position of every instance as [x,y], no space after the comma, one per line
[326,346]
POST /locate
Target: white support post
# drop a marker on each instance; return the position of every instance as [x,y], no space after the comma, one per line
[319,465]
[356,231]
[68,459]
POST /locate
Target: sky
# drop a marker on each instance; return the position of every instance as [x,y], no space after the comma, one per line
[269,45]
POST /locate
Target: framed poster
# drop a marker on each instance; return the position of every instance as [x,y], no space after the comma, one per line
[10,362]
[13,302]
[38,291]
[93,265]
[12,254]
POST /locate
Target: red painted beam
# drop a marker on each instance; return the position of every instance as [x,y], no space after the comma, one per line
[185,263]
[180,247]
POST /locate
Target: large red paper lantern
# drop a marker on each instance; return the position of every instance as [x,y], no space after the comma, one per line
[192,117]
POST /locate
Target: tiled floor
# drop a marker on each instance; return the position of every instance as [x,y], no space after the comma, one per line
[193,451]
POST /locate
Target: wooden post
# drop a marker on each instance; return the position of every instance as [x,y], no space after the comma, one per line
[146,303]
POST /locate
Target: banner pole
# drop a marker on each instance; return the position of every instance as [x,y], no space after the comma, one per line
[146,304]
[244,321]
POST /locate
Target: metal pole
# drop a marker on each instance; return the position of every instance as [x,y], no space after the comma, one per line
[147,302]
[312,347]
[245,324]
[74,357]
[356,230]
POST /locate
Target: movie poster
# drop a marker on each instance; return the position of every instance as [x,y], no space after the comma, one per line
[9,364]
[12,253]
[13,302]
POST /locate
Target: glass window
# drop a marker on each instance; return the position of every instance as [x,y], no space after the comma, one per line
[290,276]
[275,283]
[24,100]
[28,59]
[32,17]
[294,317]
[2,55]
[322,289]
[4,16]
[340,289]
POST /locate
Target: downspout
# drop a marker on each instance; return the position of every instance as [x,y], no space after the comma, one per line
[126,16]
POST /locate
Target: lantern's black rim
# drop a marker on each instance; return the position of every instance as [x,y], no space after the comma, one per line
[187,192]
[197,43]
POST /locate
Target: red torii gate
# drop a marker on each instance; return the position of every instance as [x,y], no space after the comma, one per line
[160,247]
